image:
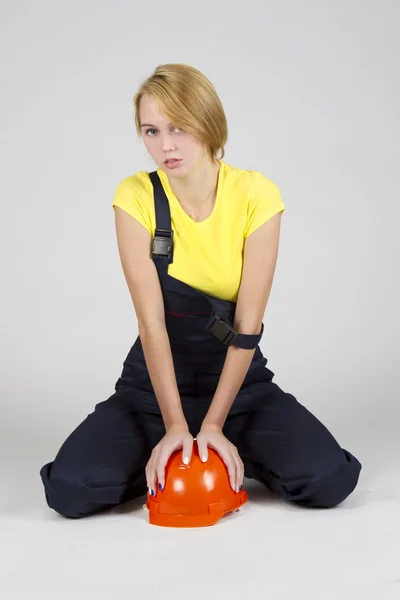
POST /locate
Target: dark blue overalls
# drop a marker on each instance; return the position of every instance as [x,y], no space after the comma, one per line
[102,462]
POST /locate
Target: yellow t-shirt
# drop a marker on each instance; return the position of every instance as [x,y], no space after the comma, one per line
[208,255]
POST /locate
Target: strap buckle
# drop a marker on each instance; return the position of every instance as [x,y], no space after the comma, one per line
[162,243]
[222,330]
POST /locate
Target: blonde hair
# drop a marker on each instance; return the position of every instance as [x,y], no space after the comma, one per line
[190,100]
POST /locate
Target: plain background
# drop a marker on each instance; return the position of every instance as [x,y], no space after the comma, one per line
[311,94]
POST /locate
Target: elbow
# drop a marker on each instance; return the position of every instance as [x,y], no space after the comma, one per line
[151,327]
[248,326]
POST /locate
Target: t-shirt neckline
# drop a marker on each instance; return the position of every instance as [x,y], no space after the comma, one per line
[168,190]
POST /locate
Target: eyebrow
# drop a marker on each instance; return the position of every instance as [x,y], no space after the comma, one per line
[150,125]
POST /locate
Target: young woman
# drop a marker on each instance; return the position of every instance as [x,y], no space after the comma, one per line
[198,242]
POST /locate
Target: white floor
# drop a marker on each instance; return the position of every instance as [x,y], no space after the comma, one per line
[269,549]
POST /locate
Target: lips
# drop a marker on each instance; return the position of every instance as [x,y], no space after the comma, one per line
[171,159]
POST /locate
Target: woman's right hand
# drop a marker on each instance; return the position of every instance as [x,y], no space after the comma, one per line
[176,437]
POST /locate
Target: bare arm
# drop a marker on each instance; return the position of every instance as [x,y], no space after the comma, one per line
[260,258]
[134,245]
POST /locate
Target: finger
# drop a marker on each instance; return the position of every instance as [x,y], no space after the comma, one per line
[152,472]
[238,471]
[229,461]
[239,468]
[202,447]
[160,466]
[187,449]
[148,471]
[241,473]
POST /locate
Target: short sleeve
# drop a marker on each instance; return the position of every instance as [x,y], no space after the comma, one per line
[265,201]
[132,202]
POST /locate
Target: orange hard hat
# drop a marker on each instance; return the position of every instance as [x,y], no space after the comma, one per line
[194,495]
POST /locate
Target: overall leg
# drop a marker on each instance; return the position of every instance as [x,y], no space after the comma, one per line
[101,463]
[288,449]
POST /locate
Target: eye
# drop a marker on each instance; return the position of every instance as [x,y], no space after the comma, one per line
[178,129]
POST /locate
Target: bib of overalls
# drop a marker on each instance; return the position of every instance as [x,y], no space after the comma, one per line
[199,326]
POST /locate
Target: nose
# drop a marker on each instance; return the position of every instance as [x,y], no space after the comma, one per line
[167,143]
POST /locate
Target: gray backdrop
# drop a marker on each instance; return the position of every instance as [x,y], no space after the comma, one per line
[311,94]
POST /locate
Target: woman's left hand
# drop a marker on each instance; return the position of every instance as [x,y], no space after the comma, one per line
[212,436]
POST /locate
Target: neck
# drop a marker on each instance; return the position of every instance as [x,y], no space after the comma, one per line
[195,187]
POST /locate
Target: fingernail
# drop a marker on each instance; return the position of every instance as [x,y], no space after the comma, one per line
[240,487]
[186,460]
[152,492]
[204,458]
[160,486]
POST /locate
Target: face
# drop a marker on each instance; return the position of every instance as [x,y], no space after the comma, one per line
[164,140]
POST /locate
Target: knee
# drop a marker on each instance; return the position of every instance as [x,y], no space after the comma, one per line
[59,493]
[336,487]
[66,495]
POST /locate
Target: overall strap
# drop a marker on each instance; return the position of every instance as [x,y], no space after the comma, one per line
[228,336]
[163,241]
[163,254]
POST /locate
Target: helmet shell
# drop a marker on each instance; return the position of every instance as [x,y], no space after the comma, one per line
[194,495]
